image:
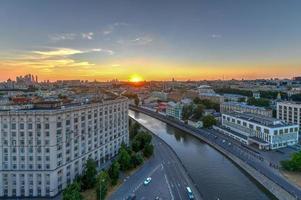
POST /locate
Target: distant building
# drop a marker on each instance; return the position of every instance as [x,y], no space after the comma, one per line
[212,97]
[256,95]
[205,89]
[266,132]
[297,78]
[234,97]
[243,107]
[289,112]
[159,95]
[174,110]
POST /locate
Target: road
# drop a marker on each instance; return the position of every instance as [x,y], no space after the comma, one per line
[246,154]
[169,178]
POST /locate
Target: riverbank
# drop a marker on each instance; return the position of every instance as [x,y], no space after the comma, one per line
[272,187]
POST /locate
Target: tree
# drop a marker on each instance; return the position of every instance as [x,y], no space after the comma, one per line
[294,164]
[148,150]
[72,192]
[198,111]
[124,159]
[137,159]
[209,121]
[140,140]
[134,129]
[114,172]
[102,185]
[187,111]
[136,145]
[89,176]
[259,102]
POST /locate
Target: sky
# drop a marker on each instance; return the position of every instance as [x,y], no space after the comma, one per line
[156,40]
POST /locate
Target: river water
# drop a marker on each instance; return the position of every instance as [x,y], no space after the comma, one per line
[215,176]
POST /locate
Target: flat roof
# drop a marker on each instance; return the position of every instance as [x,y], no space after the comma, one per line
[259,119]
[244,105]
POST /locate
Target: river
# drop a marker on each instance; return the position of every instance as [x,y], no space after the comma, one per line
[214,175]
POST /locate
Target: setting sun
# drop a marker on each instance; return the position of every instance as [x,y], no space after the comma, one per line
[135,78]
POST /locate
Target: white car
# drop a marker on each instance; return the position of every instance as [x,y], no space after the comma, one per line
[147,181]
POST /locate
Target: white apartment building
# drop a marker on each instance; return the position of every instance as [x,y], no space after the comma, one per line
[267,133]
[289,111]
[43,150]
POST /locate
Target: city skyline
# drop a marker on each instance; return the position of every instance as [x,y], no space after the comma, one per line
[195,40]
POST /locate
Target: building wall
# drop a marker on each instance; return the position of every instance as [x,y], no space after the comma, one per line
[277,136]
[42,151]
[226,107]
[289,112]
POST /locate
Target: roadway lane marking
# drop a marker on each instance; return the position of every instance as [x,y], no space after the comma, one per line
[167,182]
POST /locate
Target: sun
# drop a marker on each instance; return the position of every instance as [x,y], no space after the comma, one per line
[135,78]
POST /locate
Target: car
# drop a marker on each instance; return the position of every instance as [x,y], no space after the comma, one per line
[224,141]
[147,181]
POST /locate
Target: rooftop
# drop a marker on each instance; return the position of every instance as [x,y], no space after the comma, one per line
[244,105]
[259,119]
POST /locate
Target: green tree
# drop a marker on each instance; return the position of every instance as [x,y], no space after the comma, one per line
[114,172]
[259,102]
[187,111]
[136,145]
[208,121]
[137,159]
[294,164]
[89,177]
[140,140]
[124,159]
[134,129]
[148,150]
[102,185]
[198,111]
[72,192]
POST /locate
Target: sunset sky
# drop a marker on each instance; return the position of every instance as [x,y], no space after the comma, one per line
[154,39]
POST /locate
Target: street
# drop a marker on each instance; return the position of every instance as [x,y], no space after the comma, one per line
[169,179]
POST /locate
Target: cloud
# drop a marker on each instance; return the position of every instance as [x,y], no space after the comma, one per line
[216,36]
[62,36]
[68,52]
[143,40]
[58,52]
[116,65]
[110,28]
[88,36]
[107,51]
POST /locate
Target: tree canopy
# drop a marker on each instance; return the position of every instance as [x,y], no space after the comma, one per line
[72,192]
[89,176]
[294,164]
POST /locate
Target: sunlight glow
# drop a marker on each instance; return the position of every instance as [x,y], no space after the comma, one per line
[135,78]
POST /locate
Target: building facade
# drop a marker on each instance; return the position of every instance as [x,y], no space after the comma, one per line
[268,133]
[289,112]
[43,150]
[243,107]
[174,110]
